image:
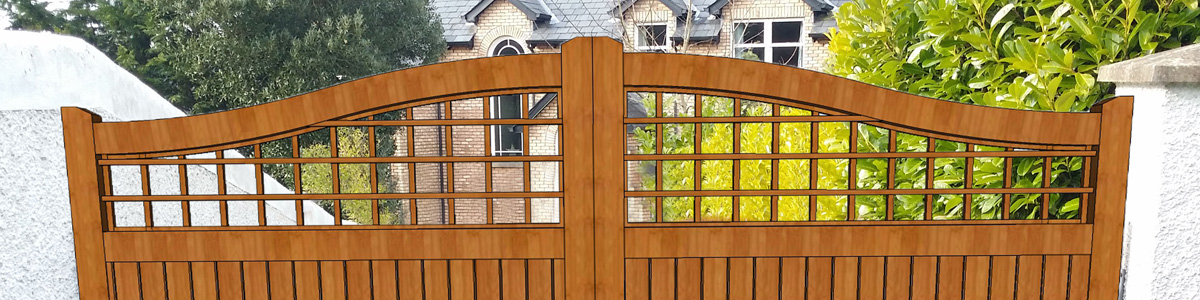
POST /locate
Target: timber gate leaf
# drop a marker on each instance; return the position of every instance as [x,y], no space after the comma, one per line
[610,185]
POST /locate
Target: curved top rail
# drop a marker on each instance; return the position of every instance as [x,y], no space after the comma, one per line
[889,106]
[392,88]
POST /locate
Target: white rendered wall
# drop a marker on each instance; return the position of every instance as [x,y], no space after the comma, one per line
[1162,216]
[39,73]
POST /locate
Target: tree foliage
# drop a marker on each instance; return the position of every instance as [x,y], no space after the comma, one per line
[351,179]
[1022,54]
[832,174]
[215,55]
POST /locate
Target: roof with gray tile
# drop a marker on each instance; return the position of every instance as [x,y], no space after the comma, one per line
[455,29]
[575,18]
[556,21]
[823,20]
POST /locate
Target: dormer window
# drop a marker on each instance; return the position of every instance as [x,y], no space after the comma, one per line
[652,38]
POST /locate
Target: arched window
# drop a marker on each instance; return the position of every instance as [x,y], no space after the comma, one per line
[506,139]
[507,47]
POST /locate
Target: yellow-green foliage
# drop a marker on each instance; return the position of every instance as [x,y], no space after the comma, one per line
[833,174]
[352,178]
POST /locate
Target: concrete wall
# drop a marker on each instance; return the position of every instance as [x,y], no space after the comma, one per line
[42,72]
[1162,218]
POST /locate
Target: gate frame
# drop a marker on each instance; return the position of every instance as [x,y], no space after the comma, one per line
[595,73]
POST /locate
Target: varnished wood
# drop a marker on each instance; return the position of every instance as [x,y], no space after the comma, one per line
[741,278]
[845,278]
[662,278]
[793,278]
[179,280]
[282,281]
[688,278]
[1108,210]
[608,102]
[1004,278]
[298,245]
[229,280]
[637,279]
[383,279]
[410,279]
[924,277]
[820,278]
[951,277]
[1029,277]
[819,89]
[83,181]
[153,280]
[332,196]
[522,71]
[1055,270]
[715,280]
[487,279]
[810,192]
[254,276]
[858,155]
[540,279]
[849,241]
[462,279]
[976,274]
[204,281]
[766,278]
[336,160]
[899,278]
[595,253]
[871,275]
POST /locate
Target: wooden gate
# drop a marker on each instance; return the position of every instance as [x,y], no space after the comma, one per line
[820,188]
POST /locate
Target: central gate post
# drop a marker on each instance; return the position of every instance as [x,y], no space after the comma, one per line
[578,216]
[608,98]
[593,104]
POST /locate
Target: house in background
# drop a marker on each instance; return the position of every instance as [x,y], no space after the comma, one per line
[787,32]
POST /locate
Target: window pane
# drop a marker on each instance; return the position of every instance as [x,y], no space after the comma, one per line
[652,35]
[507,107]
[788,56]
[756,54]
[507,138]
[785,32]
[748,33]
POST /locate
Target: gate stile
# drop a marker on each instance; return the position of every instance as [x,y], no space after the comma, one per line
[613,239]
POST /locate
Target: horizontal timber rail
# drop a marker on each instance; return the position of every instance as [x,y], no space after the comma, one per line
[847,223]
[299,245]
[978,154]
[644,71]
[747,119]
[327,160]
[810,192]
[442,122]
[337,227]
[1053,239]
[331,196]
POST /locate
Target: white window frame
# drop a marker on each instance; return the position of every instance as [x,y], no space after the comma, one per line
[767,45]
[494,107]
[637,38]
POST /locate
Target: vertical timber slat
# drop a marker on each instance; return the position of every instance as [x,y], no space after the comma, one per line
[1108,207]
[83,181]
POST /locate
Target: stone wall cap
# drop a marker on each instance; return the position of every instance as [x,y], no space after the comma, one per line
[1172,66]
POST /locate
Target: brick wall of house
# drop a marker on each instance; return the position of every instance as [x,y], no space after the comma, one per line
[646,12]
[499,20]
[471,176]
[503,20]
